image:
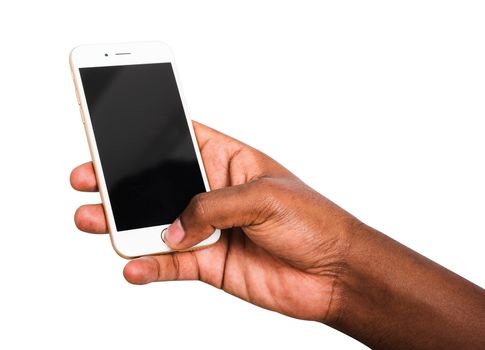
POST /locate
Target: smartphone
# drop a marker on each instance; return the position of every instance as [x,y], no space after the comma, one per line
[142,143]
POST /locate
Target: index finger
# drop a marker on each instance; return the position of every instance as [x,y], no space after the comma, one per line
[83,178]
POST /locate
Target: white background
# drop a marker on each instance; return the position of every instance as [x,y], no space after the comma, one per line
[379,105]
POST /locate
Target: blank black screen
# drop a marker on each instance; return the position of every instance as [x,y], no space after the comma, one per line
[143,140]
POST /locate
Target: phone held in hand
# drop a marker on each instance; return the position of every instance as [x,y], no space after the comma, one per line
[142,143]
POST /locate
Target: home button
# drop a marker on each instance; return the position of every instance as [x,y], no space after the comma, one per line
[163,234]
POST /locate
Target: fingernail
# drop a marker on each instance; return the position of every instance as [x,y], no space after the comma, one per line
[175,232]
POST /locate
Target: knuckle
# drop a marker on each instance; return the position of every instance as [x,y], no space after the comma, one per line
[268,187]
[269,191]
[176,267]
[198,205]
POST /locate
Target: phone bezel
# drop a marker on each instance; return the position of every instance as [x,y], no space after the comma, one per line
[147,240]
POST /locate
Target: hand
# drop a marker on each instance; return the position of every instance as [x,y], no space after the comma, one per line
[282,246]
[288,249]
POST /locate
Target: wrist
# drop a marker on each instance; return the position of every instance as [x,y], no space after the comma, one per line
[356,238]
[388,296]
[361,289]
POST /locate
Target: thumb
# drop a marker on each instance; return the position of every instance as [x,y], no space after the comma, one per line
[235,206]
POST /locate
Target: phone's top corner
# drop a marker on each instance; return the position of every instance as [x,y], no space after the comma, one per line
[72,55]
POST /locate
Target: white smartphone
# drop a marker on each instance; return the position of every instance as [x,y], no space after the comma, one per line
[145,154]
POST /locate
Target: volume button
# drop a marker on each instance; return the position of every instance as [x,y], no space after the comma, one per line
[78,98]
[75,88]
[82,115]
